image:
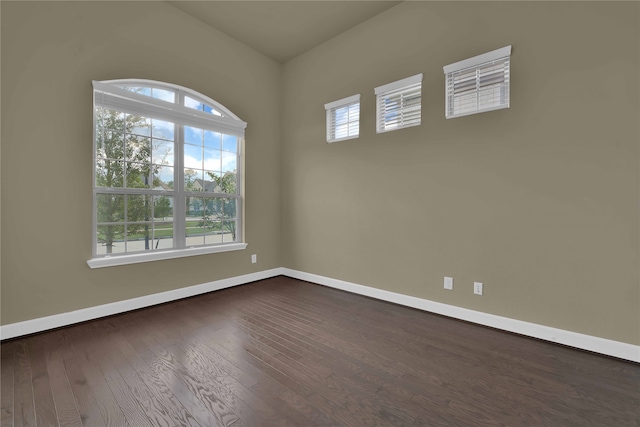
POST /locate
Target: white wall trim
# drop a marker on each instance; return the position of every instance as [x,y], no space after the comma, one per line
[41,324]
[586,342]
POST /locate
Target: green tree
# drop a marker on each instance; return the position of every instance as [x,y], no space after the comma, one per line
[162,208]
[121,146]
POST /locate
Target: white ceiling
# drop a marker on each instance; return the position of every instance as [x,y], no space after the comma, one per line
[283,30]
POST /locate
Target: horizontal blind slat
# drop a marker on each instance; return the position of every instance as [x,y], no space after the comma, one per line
[480,88]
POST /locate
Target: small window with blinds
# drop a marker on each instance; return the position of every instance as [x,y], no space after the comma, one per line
[478,84]
[343,119]
[399,104]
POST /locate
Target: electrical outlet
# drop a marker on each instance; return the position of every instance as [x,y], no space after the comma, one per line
[448,283]
[254,258]
[477,288]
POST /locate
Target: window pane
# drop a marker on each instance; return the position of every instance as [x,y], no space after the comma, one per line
[110,239]
[110,207]
[342,131]
[221,183]
[195,222]
[138,208]
[109,173]
[138,175]
[341,115]
[192,103]
[163,235]
[192,156]
[193,180]
[354,128]
[163,207]
[195,208]
[229,231]
[354,111]
[209,109]
[165,95]
[212,159]
[214,233]
[229,208]
[138,125]
[138,148]
[192,135]
[163,152]
[139,237]
[138,89]
[162,129]
[162,178]
[111,119]
[229,162]
[212,139]
[230,143]
[110,144]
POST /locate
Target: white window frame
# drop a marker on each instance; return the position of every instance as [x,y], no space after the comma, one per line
[109,94]
[332,109]
[402,92]
[475,68]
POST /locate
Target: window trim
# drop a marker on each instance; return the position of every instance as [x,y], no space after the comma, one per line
[227,123]
[398,87]
[140,257]
[331,107]
[476,62]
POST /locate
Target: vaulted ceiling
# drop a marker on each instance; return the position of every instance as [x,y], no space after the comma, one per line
[283,30]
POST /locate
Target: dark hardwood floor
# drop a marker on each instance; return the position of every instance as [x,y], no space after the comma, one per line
[283,352]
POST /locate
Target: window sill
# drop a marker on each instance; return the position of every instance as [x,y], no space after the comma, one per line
[111,261]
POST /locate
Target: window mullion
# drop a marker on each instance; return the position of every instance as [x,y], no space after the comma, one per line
[179,208]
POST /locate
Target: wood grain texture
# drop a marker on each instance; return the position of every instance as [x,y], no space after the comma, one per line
[283,352]
[7,386]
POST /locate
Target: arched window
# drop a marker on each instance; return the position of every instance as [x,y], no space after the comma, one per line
[167,173]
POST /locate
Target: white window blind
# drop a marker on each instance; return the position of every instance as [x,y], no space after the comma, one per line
[399,104]
[343,119]
[478,84]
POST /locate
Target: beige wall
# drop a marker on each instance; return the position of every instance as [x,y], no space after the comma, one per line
[539,201]
[50,53]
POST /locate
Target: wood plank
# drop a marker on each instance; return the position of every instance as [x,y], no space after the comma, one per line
[85,400]
[66,408]
[104,397]
[24,405]
[7,386]
[42,392]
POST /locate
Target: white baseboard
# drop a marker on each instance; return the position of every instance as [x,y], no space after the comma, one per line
[586,342]
[41,324]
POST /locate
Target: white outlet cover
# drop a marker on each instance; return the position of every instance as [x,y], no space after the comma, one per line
[254,258]
[448,283]
[477,288]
